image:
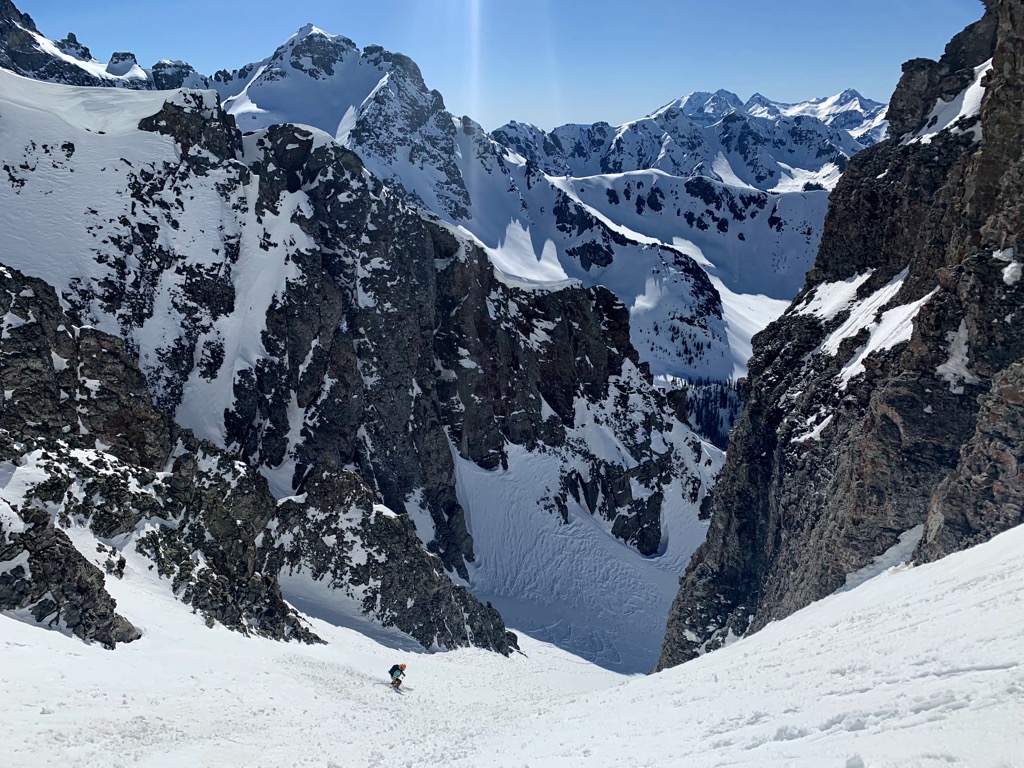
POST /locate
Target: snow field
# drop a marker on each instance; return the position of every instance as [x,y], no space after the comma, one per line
[574,584]
[916,668]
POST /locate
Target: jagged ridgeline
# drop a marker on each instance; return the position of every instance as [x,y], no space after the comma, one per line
[883,411]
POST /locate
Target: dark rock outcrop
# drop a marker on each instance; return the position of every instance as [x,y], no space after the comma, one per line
[45,577]
[848,440]
[77,420]
[77,412]
[925,81]
[984,495]
[20,53]
[368,555]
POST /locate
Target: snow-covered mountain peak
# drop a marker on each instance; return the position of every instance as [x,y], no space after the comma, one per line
[849,111]
[326,81]
[850,94]
[705,107]
[310,34]
[848,100]
[309,29]
[311,45]
[313,51]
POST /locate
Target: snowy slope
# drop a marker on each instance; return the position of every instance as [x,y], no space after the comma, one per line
[572,583]
[87,184]
[82,149]
[914,668]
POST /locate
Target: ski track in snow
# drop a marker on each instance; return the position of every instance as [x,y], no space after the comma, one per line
[540,573]
[915,668]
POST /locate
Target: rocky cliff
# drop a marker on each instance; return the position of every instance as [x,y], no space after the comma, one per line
[346,359]
[83,450]
[219,538]
[882,409]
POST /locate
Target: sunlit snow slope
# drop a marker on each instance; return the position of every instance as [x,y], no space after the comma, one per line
[915,668]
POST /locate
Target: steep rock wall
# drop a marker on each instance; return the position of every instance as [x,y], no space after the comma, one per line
[862,420]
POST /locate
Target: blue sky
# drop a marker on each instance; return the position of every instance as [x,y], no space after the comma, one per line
[550,62]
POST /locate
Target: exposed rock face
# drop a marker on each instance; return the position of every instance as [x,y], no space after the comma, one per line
[862,418]
[984,495]
[72,47]
[168,75]
[924,81]
[133,479]
[81,446]
[378,565]
[981,497]
[121,63]
[295,312]
[44,576]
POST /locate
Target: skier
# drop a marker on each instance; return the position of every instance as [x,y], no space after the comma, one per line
[397,672]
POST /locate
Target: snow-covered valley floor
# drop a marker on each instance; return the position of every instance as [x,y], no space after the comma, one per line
[916,667]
